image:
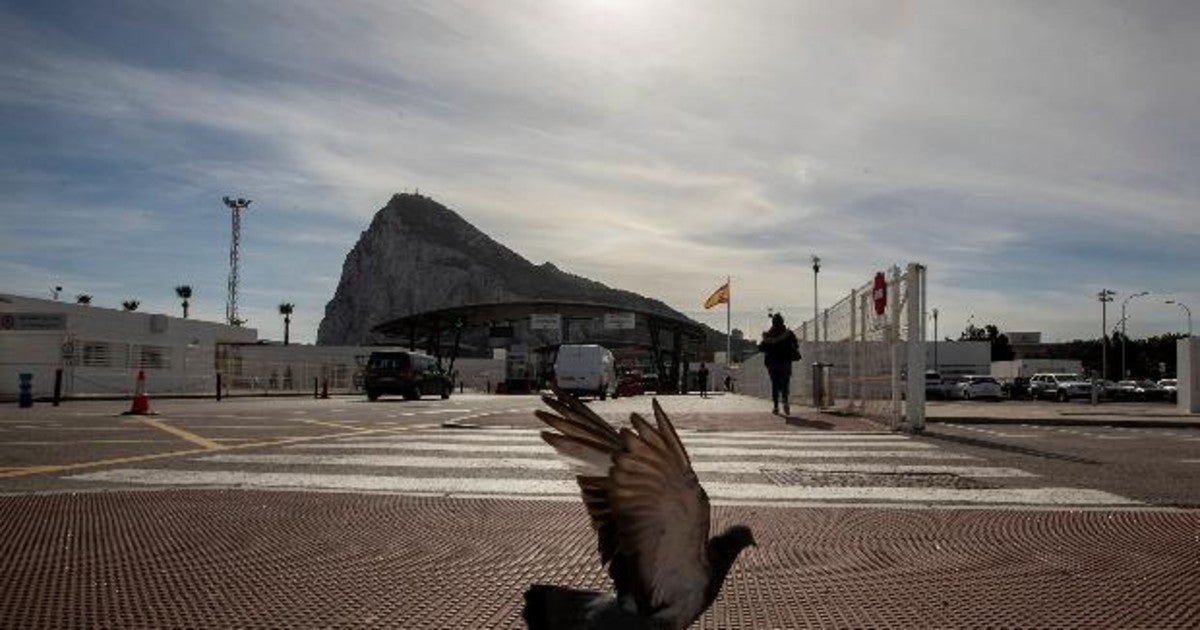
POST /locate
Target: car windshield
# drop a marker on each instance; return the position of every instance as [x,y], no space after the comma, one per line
[397,361]
[982,379]
[1068,377]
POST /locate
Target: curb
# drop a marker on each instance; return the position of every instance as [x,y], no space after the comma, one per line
[1071,422]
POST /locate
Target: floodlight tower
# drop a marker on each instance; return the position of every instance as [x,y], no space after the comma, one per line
[235,207]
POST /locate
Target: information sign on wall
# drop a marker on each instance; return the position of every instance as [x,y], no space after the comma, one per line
[619,321]
[552,321]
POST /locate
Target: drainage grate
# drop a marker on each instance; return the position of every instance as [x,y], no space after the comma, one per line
[855,479]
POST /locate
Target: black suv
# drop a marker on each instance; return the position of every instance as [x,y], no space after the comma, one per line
[409,374]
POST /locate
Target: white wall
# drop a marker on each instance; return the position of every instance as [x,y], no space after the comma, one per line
[1028,367]
[100,350]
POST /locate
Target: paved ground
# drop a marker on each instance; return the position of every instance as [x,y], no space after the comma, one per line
[343,513]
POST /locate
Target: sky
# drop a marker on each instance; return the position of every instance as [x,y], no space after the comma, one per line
[1029,154]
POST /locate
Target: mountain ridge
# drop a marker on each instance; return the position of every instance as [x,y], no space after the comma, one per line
[418,255]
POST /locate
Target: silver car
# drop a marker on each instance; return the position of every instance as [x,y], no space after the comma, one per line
[977,388]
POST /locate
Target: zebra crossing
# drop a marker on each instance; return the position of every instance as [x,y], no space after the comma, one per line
[755,468]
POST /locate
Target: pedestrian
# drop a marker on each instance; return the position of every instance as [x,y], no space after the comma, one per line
[780,349]
[702,376]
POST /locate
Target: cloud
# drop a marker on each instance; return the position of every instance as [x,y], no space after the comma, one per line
[1027,153]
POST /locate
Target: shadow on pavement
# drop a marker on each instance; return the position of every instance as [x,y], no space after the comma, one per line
[808,423]
[1008,448]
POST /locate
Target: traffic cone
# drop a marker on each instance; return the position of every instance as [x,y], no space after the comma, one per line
[141,401]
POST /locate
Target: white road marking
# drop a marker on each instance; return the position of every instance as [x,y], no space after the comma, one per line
[525,463]
[914,451]
[689,441]
[765,494]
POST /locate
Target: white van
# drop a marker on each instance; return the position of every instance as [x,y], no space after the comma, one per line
[586,370]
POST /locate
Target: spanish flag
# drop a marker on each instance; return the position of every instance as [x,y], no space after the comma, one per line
[720,296]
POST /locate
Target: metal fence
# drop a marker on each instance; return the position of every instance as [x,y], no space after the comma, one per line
[860,351]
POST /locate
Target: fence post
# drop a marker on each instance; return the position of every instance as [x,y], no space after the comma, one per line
[218,387]
[915,407]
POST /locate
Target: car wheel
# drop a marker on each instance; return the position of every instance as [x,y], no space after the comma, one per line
[1063,397]
[372,395]
[603,393]
[446,391]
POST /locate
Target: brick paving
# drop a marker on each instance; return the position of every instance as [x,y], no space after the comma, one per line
[227,558]
[208,557]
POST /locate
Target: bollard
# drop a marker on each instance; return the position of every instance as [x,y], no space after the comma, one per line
[57,386]
[325,389]
[316,394]
[25,385]
[218,387]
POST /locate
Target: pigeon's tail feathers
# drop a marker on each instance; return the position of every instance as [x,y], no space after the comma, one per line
[554,607]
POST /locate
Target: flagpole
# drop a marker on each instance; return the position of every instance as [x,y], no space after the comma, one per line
[728,316]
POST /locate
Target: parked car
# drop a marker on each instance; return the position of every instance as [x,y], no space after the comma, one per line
[976,388]
[1119,391]
[1137,390]
[1170,388]
[409,374]
[630,383]
[1017,388]
[1150,391]
[934,387]
[1060,387]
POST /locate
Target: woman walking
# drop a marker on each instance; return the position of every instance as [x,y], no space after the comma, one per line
[780,348]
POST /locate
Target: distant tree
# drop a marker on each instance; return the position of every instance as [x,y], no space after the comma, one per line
[285,309]
[1001,348]
[83,298]
[131,305]
[184,292]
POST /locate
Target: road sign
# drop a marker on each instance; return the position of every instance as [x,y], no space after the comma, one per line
[879,293]
[552,321]
[619,321]
[33,321]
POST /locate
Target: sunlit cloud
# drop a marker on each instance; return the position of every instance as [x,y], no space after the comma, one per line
[1028,154]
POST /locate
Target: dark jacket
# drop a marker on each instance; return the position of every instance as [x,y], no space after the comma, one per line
[779,346]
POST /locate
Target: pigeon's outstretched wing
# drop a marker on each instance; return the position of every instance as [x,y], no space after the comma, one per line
[650,514]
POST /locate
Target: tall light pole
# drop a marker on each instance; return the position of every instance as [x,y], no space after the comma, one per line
[1105,296]
[935,342]
[1125,374]
[1189,314]
[816,261]
[235,206]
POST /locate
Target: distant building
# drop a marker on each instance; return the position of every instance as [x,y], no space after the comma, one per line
[1026,368]
[100,351]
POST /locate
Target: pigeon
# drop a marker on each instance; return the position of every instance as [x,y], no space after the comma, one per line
[651,519]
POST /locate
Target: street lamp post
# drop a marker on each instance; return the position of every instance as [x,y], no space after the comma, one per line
[816,262]
[1105,296]
[935,342]
[1187,310]
[1124,373]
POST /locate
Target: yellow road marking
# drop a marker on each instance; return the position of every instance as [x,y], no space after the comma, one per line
[350,431]
[180,433]
[332,425]
[59,468]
